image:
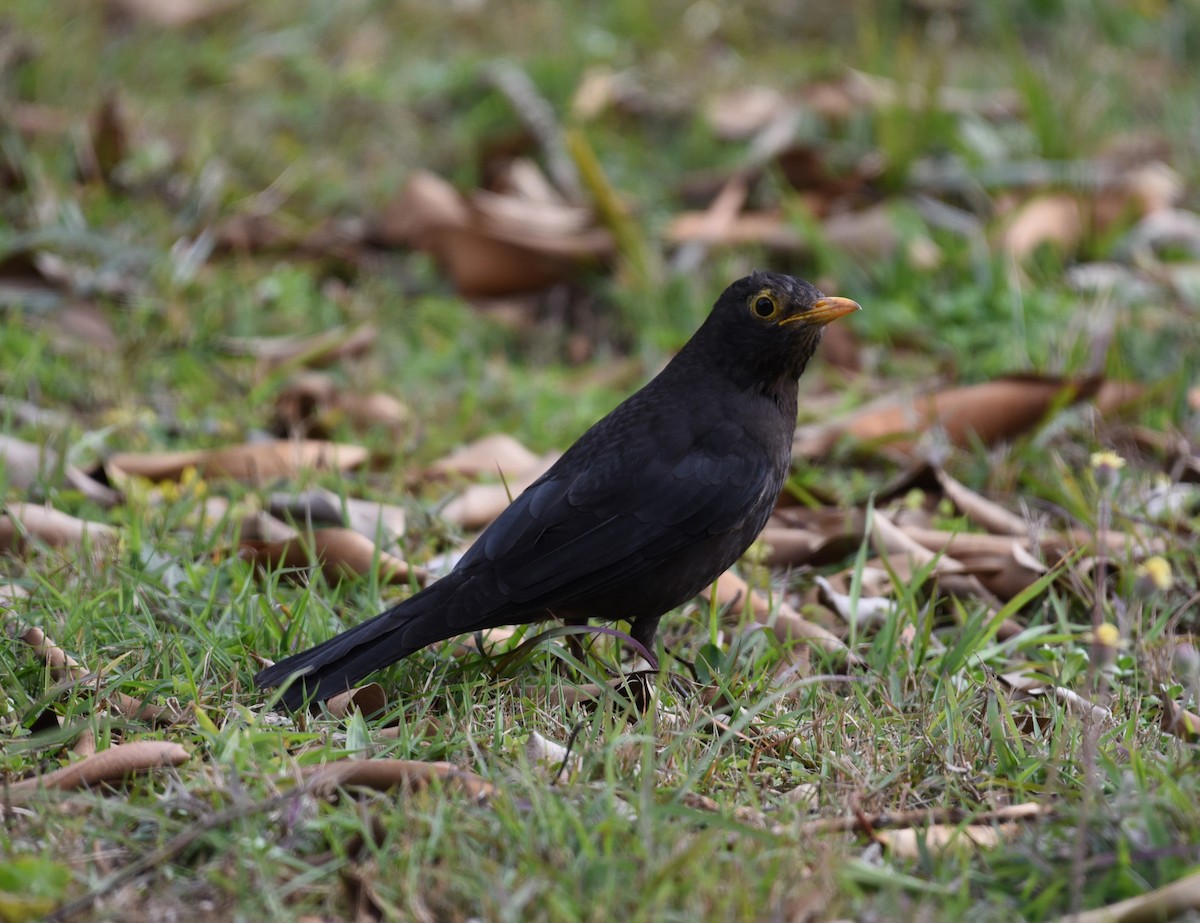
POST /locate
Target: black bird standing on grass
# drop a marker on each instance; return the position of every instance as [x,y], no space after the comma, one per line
[646,509]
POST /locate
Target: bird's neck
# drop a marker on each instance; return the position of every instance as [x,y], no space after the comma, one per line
[784,393]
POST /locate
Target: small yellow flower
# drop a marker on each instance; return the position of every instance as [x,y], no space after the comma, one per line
[1154,574]
[1107,467]
[1107,459]
[1107,635]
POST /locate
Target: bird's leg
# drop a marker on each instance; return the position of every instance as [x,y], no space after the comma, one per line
[574,642]
[643,631]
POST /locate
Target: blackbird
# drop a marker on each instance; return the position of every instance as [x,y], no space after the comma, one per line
[646,509]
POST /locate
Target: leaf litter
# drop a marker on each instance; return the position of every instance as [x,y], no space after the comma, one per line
[528,232]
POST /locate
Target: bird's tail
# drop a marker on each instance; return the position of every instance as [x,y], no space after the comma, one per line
[337,664]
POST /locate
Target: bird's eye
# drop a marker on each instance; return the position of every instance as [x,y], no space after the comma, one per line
[764,305]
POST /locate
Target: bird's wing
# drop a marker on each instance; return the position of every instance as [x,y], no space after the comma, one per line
[583,527]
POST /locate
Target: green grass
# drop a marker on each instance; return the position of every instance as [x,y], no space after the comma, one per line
[669,814]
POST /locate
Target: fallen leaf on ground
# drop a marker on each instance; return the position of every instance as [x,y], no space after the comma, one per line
[1155,906]
[313,403]
[27,464]
[746,111]
[172,14]
[980,510]
[383,775]
[111,765]
[786,622]
[479,504]
[342,554]
[64,667]
[1032,686]
[1179,721]
[870,610]
[324,507]
[991,412]
[21,522]
[468,644]
[907,843]
[370,699]
[1056,220]
[549,756]
[498,452]
[253,462]
[492,244]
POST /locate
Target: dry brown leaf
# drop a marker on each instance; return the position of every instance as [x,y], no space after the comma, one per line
[979,510]
[479,504]
[263,527]
[370,699]
[991,412]
[787,623]
[1056,219]
[800,535]
[952,575]
[85,744]
[426,727]
[377,409]
[111,765]
[81,325]
[383,775]
[26,464]
[64,667]
[492,244]
[596,93]
[889,541]
[1179,721]
[313,404]
[551,757]
[498,452]
[1051,545]
[1005,575]
[324,507]
[1155,906]
[871,611]
[906,843]
[468,644]
[173,14]
[1115,397]
[1031,686]
[21,522]
[746,111]
[342,554]
[253,462]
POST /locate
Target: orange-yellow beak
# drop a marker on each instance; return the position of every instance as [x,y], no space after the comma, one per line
[823,312]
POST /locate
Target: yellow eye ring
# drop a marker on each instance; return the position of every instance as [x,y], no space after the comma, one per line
[764,305]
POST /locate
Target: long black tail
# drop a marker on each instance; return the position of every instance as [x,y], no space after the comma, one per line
[337,664]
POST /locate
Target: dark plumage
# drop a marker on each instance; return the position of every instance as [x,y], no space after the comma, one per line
[647,508]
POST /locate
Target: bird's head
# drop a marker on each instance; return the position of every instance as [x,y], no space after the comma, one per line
[765,327]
